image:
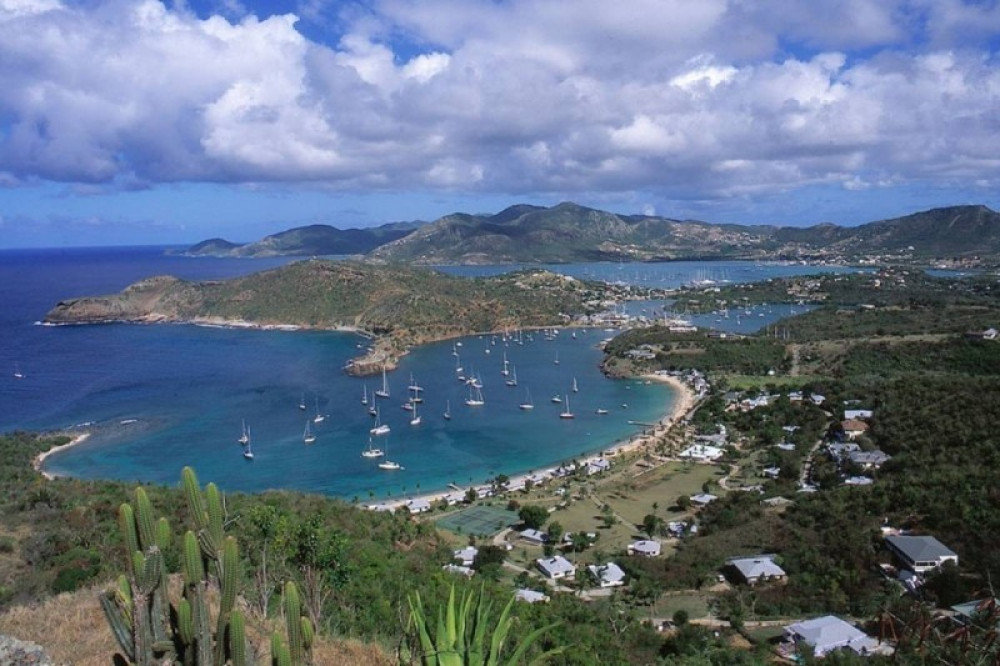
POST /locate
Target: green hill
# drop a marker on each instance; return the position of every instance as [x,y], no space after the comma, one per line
[312,240]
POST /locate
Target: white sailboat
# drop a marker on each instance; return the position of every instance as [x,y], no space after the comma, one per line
[513,376]
[319,418]
[415,421]
[556,361]
[506,366]
[557,399]
[575,388]
[384,391]
[372,408]
[364,394]
[475,398]
[302,402]
[527,404]
[17,372]
[247,451]
[379,428]
[388,464]
[307,435]
[371,451]
[566,413]
[244,438]
[447,411]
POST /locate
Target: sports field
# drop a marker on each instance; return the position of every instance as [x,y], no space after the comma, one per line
[478,520]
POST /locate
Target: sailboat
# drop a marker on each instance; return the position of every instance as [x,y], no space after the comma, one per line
[566,414]
[513,376]
[506,366]
[372,408]
[384,391]
[557,399]
[364,395]
[575,388]
[447,411]
[372,452]
[416,417]
[527,404]
[302,402]
[379,428]
[307,436]
[556,361]
[388,464]
[319,418]
[247,451]
[244,438]
[17,372]
[475,398]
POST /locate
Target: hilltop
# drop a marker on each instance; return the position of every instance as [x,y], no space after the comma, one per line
[568,232]
[401,306]
[312,240]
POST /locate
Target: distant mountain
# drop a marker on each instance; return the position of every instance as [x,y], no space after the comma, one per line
[569,232]
[312,240]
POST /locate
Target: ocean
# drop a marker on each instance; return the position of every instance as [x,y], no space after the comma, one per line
[163,396]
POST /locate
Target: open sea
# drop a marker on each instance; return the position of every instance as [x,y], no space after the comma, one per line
[160,397]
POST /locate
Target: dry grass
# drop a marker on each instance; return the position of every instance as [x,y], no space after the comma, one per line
[73,631]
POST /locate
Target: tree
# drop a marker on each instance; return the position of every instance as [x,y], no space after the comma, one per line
[533,516]
[680,617]
[683,502]
[555,531]
[651,524]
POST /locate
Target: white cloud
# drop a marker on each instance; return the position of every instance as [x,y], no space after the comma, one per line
[703,99]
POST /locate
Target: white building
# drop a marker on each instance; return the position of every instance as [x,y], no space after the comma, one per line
[702,453]
[828,633]
[530,596]
[607,575]
[756,569]
[418,505]
[645,547]
[466,556]
[556,567]
[920,553]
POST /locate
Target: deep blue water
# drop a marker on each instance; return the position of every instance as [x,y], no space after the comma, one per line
[172,395]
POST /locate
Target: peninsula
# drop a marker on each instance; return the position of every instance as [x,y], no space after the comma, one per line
[397,306]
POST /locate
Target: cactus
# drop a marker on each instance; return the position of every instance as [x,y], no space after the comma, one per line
[150,629]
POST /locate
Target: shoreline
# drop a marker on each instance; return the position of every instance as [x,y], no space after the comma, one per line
[684,402]
[39,460]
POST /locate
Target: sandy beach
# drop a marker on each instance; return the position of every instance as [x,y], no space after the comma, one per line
[684,401]
[40,458]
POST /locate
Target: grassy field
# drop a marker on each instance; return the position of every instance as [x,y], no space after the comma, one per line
[750,382]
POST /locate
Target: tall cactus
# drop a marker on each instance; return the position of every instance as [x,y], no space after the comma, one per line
[151,630]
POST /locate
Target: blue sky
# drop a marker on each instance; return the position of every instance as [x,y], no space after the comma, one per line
[138,121]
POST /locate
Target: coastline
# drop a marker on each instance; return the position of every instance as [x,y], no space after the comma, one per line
[40,458]
[682,405]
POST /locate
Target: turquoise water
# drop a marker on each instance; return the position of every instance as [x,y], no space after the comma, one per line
[182,392]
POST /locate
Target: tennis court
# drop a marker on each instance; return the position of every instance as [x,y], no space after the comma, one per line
[479,520]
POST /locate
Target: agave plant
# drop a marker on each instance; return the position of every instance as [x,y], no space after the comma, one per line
[466,635]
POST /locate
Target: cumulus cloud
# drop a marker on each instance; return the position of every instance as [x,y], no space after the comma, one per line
[704,99]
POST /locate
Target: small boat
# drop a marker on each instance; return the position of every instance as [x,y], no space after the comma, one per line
[513,376]
[556,361]
[566,413]
[17,372]
[447,411]
[384,391]
[415,421]
[371,451]
[408,405]
[527,404]
[302,402]
[364,395]
[601,411]
[388,464]
[557,399]
[575,388]
[475,398]
[247,451]
[379,428]
[506,366]
[307,435]
[373,408]
[414,386]
[319,418]
[244,438]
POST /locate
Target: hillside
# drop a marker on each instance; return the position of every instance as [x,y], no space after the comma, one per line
[312,240]
[568,232]
[404,306]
